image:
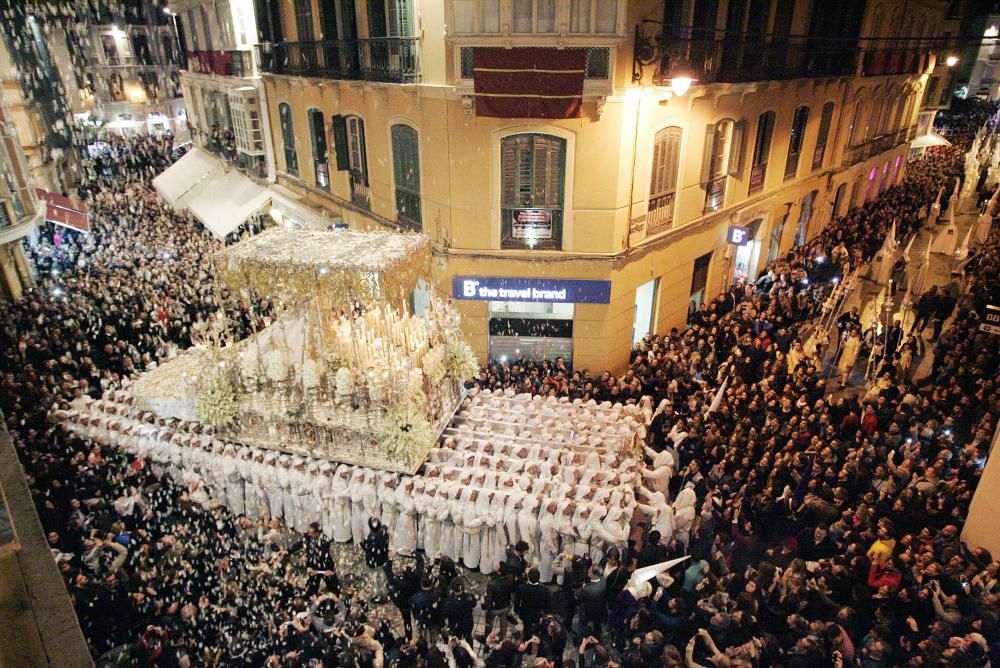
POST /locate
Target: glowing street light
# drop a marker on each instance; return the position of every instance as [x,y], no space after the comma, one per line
[951,61]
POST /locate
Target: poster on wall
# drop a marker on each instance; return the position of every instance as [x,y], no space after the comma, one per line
[532,224]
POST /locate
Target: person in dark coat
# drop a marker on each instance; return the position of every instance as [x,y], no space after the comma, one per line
[499,594]
[402,585]
[376,545]
[531,601]
[425,605]
[456,612]
[593,607]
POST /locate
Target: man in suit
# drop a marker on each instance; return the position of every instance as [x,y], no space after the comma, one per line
[593,608]
[531,601]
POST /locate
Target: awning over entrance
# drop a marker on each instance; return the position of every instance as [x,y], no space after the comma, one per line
[177,183]
[182,138]
[227,200]
[63,211]
[928,140]
[289,204]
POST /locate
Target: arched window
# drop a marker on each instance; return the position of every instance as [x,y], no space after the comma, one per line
[795,139]
[406,170]
[317,139]
[826,118]
[663,179]
[722,158]
[288,139]
[532,173]
[859,125]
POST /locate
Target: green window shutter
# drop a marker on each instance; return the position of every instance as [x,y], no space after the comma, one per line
[737,150]
[339,125]
[706,155]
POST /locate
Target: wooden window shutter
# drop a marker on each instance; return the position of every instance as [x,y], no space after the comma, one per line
[554,175]
[339,128]
[364,152]
[671,159]
[508,167]
[737,149]
[706,155]
[540,172]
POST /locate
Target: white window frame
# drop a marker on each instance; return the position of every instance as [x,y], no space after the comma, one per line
[534,18]
[592,20]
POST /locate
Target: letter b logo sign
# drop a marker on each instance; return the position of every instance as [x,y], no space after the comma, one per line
[738,235]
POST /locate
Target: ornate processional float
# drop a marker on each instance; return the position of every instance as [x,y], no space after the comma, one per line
[345,372]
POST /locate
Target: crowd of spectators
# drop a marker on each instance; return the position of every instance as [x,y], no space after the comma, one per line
[820,531]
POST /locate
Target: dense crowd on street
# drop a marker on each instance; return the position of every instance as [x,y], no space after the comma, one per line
[819,531]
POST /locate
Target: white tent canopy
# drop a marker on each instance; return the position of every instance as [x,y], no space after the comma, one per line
[177,183]
[929,139]
[227,200]
[182,138]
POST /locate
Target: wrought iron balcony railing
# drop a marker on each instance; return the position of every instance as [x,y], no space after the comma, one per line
[750,58]
[389,59]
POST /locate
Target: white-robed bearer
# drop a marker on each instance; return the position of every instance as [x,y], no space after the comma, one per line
[289,493]
[659,513]
[429,525]
[684,514]
[447,514]
[340,516]
[323,490]
[404,535]
[234,497]
[244,465]
[272,486]
[660,472]
[583,530]
[364,503]
[312,498]
[614,529]
[548,540]
[389,505]
[471,527]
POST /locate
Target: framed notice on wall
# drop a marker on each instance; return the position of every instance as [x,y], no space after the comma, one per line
[532,224]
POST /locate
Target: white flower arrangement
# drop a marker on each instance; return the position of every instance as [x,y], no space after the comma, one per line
[345,381]
[333,363]
[415,381]
[434,367]
[406,433]
[460,361]
[217,403]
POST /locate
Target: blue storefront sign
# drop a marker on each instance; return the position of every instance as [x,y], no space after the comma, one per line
[553,290]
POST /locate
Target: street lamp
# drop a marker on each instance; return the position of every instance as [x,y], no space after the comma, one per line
[951,61]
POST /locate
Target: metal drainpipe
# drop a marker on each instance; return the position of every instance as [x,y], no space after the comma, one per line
[631,187]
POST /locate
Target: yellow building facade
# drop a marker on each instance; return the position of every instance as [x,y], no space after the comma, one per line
[576,236]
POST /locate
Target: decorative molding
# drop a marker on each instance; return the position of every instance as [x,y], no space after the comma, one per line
[600,101]
[468,105]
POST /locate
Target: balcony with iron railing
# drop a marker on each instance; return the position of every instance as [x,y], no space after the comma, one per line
[715,193]
[872,147]
[388,59]
[360,192]
[744,58]
[660,213]
[408,209]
